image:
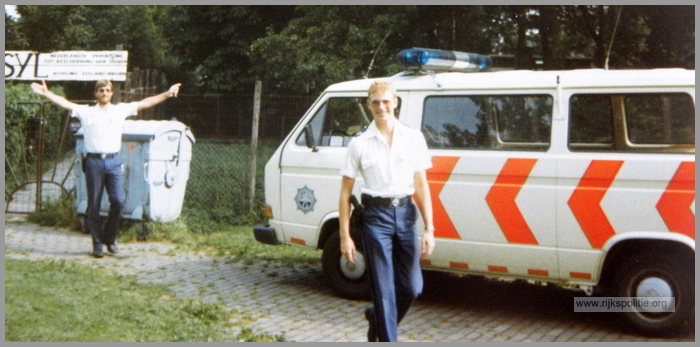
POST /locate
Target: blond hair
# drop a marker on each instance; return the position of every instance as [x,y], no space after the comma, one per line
[381,87]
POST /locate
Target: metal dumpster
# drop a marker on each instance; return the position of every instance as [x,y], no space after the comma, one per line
[156,159]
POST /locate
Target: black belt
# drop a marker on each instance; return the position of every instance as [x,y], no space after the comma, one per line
[102,155]
[368,200]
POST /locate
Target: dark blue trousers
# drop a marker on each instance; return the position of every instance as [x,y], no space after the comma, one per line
[391,246]
[100,174]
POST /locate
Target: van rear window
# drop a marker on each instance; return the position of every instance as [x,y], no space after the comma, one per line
[507,122]
[645,122]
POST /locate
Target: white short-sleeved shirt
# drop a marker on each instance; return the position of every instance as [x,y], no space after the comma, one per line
[102,128]
[387,172]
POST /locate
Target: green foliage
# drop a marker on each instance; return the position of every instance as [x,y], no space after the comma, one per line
[48,301]
[58,213]
[303,49]
[210,44]
[328,44]
[237,243]
[14,38]
[22,119]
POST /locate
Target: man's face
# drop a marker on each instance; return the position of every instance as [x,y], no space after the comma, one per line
[382,105]
[104,95]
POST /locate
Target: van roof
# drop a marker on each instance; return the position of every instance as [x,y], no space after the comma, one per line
[528,79]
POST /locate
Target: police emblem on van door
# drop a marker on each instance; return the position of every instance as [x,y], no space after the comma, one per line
[305,199]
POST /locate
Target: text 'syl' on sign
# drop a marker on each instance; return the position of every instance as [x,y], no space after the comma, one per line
[66,65]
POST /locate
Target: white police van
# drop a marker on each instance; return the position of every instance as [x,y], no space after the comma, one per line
[583,178]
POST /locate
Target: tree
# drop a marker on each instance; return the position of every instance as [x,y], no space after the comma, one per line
[671,41]
[210,44]
[551,36]
[328,44]
[616,34]
[303,49]
[14,37]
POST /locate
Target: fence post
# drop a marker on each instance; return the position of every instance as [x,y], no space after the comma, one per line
[40,159]
[254,144]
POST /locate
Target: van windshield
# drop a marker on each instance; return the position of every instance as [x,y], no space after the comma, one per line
[337,121]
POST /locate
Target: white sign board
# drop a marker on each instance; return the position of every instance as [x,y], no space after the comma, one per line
[66,66]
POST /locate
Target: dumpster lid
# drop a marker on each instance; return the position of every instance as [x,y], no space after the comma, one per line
[149,129]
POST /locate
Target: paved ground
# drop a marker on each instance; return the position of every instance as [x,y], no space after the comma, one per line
[278,300]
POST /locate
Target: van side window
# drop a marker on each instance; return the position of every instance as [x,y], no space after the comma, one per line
[591,123]
[337,121]
[506,122]
[660,119]
[639,122]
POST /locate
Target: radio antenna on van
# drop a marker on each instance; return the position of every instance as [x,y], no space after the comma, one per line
[375,54]
[607,54]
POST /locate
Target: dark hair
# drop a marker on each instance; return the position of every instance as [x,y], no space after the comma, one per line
[103,83]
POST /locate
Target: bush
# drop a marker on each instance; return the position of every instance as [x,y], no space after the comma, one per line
[22,119]
[59,213]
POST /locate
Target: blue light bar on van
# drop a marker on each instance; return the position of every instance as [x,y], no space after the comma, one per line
[438,60]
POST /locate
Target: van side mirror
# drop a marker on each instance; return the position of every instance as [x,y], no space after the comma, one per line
[309,138]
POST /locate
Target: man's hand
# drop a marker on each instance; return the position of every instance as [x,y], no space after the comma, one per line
[347,248]
[174,89]
[43,90]
[427,245]
[40,89]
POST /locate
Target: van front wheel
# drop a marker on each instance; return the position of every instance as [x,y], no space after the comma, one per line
[346,279]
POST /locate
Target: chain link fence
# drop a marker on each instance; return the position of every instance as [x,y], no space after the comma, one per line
[220,179]
[229,116]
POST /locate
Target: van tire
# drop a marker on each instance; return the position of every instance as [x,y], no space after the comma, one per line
[676,274]
[332,260]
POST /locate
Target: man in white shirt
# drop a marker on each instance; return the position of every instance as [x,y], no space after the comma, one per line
[102,129]
[392,159]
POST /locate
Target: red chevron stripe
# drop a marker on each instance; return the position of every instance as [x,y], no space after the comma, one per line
[585,201]
[501,201]
[674,204]
[437,177]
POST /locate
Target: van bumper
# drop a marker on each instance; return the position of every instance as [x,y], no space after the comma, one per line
[265,235]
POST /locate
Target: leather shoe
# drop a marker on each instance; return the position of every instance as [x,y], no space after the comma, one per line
[372,331]
[97,253]
[112,249]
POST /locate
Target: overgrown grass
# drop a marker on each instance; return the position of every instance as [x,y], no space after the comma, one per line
[60,302]
[60,213]
[235,243]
